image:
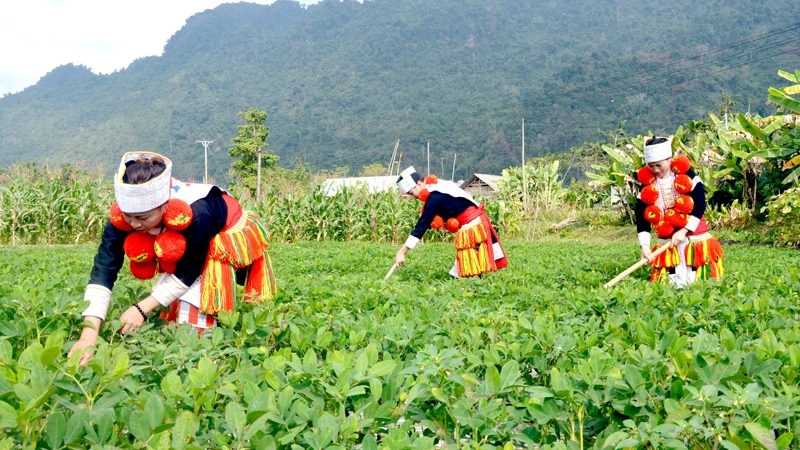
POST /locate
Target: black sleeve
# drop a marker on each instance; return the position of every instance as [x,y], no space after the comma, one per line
[698,194]
[209,215]
[642,225]
[109,258]
[428,213]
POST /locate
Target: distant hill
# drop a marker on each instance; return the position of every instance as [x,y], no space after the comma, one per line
[342,81]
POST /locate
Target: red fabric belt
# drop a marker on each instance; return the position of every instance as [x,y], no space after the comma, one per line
[470,214]
[234,211]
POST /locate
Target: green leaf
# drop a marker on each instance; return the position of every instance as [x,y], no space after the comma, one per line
[75,429]
[783,100]
[560,383]
[185,427]
[154,411]
[614,439]
[236,418]
[8,415]
[785,440]
[55,429]
[368,443]
[139,425]
[775,153]
[105,425]
[382,368]
[762,435]
[751,128]
[509,375]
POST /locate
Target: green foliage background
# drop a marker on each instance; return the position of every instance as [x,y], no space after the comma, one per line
[343,80]
[536,355]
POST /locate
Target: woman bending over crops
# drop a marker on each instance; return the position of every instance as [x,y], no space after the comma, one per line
[673,201]
[195,238]
[478,249]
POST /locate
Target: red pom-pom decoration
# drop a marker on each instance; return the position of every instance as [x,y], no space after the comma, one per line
[645,175]
[117,219]
[680,164]
[144,270]
[431,179]
[683,184]
[178,215]
[452,225]
[649,194]
[664,229]
[684,204]
[676,219]
[437,222]
[653,214]
[166,267]
[169,246]
[139,247]
[423,194]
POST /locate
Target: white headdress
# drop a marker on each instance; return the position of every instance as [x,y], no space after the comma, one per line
[138,198]
[408,179]
[658,152]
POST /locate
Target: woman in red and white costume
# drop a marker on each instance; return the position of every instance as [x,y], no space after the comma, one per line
[478,249]
[673,202]
[195,237]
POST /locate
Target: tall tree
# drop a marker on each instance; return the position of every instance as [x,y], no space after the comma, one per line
[250,147]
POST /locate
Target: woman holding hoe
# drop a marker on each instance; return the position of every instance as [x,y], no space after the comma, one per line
[673,202]
[195,237]
[478,249]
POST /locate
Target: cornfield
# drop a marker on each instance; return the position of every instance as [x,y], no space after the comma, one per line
[39,205]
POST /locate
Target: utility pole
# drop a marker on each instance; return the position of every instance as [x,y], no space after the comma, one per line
[205,146]
[429,158]
[524,178]
[453,176]
[390,169]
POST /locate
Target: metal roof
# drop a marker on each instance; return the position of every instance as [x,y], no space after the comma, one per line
[373,184]
[489,180]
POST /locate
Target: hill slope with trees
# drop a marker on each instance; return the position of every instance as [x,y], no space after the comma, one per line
[342,81]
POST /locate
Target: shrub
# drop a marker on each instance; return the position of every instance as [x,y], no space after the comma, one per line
[783,217]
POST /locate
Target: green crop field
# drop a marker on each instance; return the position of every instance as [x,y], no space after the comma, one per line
[536,356]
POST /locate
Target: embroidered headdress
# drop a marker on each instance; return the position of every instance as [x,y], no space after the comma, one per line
[408,179]
[657,149]
[138,198]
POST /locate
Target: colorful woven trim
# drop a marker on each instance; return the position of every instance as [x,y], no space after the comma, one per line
[666,260]
[706,257]
[245,244]
[472,251]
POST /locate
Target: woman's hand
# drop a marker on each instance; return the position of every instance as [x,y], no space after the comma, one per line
[400,257]
[87,340]
[131,320]
[679,236]
[646,253]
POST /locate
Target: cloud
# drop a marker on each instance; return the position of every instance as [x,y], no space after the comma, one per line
[105,35]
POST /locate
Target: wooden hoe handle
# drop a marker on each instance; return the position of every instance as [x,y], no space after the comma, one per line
[640,263]
[389,273]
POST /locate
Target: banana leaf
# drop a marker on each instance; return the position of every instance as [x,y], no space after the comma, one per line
[781,99]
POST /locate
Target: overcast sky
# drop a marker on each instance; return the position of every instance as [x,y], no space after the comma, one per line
[36,36]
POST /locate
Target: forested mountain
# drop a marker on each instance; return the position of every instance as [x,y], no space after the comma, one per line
[342,81]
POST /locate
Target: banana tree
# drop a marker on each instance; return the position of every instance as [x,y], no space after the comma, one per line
[743,146]
[790,142]
[619,174]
